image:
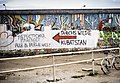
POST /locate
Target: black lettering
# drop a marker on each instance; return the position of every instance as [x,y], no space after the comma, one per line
[34,44]
[25,45]
[84,32]
[73,42]
[68,32]
[46,45]
[18,45]
[30,37]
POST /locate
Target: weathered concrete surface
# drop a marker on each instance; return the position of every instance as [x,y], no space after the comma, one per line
[59,11]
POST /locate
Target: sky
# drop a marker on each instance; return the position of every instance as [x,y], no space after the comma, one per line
[58,4]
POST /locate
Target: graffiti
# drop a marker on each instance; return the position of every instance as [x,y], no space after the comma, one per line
[91,21]
[109,38]
[117,20]
[6,39]
[77,21]
[108,23]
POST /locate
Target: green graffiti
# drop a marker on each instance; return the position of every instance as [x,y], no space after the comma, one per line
[107,36]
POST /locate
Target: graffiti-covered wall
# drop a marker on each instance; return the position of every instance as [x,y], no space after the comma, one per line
[107,24]
[63,22]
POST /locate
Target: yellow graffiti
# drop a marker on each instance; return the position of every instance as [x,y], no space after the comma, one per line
[40,19]
[33,22]
[10,19]
[20,18]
